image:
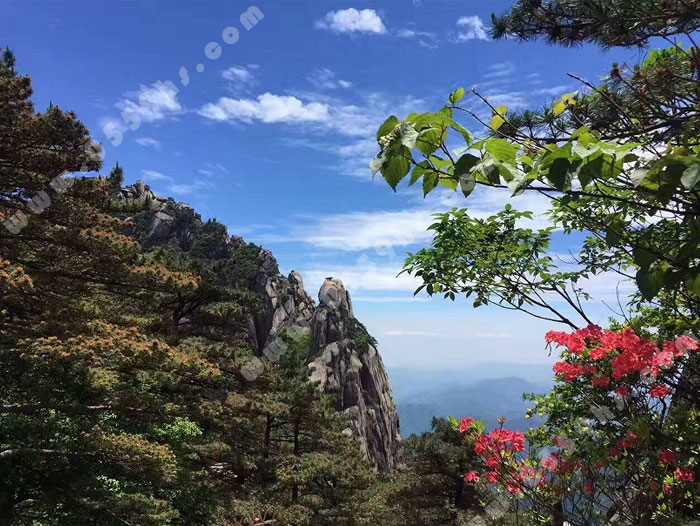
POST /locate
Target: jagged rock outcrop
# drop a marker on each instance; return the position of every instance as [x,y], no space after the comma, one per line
[345,361]
[286,301]
[343,357]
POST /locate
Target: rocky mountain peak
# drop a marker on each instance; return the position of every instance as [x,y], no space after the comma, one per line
[345,361]
[343,356]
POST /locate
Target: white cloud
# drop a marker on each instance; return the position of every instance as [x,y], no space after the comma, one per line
[352,21]
[424,38]
[500,69]
[266,108]
[366,230]
[515,100]
[184,189]
[151,103]
[363,277]
[554,90]
[240,78]
[471,28]
[324,78]
[239,74]
[383,230]
[153,175]
[148,142]
[322,114]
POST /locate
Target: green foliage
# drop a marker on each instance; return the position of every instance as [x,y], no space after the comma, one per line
[429,489]
[598,157]
[121,394]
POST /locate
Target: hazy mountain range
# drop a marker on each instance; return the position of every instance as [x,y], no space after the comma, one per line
[485,392]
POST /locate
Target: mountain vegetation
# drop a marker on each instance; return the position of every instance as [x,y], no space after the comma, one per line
[126,326]
[156,371]
[617,161]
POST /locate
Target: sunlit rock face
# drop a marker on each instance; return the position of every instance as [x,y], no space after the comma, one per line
[345,362]
[343,356]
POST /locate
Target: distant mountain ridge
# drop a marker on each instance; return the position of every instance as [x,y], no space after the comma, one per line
[484,399]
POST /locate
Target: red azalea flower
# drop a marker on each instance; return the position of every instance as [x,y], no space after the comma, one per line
[513,489]
[465,425]
[472,477]
[685,343]
[684,474]
[660,391]
[598,354]
[667,457]
[654,486]
[590,488]
[662,359]
[492,477]
[622,391]
[601,381]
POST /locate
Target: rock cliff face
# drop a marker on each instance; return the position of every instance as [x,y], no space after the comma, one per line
[343,357]
[345,361]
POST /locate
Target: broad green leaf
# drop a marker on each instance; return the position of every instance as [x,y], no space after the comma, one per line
[429,139]
[649,283]
[457,96]
[643,258]
[465,164]
[388,126]
[558,173]
[638,175]
[467,182]
[498,118]
[501,150]
[396,168]
[430,181]
[691,177]
[450,184]
[419,171]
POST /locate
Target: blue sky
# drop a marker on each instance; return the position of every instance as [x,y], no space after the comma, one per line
[273,136]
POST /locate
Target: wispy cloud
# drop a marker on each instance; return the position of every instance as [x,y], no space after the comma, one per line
[240,78]
[424,38]
[471,28]
[153,175]
[500,69]
[326,79]
[151,103]
[148,142]
[352,21]
[363,277]
[554,90]
[186,189]
[364,230]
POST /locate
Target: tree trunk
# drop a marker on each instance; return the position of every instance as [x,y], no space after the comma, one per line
[6,512]
[268,433]
[558,514]
[295,486]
